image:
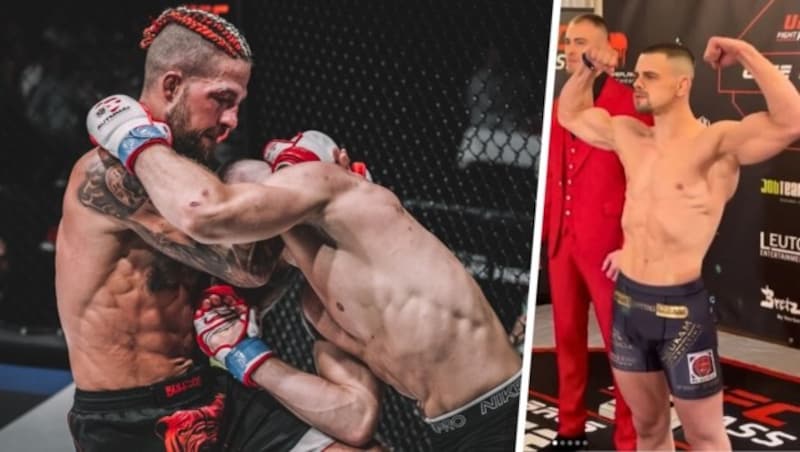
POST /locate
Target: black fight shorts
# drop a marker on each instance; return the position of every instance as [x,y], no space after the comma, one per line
[202,410]
[487,424]
[669,329]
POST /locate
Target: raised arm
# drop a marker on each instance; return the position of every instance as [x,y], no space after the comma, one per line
[758,136]
[576,110]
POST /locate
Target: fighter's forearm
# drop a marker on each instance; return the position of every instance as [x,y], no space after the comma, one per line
[346,410]
[198,203]
[783,99]
[576,96]
[176,185]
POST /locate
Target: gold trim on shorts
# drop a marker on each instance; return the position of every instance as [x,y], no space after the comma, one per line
[665,311]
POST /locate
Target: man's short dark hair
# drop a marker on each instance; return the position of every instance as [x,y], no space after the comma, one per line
[593,19]
[671,50]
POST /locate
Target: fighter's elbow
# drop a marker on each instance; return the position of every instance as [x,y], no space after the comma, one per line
[363,431]
[200,223]
[794,128]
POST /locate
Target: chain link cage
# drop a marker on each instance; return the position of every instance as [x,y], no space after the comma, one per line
[443,101]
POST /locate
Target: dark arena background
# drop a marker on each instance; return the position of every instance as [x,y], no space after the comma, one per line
[442,100]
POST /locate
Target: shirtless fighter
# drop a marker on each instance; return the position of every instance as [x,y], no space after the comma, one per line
[127,282]
[390,293]
[680,175]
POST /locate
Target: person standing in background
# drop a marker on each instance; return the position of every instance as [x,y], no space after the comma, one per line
[584,196]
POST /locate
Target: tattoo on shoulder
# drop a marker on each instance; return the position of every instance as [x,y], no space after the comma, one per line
[111,190]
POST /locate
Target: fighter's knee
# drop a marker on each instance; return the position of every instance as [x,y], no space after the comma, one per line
[707,438]
[651,427]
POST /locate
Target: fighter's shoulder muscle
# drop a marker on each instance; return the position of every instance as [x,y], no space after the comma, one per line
[101,184]
[89,197]
[628,132]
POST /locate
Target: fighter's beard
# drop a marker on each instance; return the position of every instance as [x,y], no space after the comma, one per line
[644,108]
[185,141]
[188,143]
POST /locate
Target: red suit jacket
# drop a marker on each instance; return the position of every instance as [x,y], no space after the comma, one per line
[585,187]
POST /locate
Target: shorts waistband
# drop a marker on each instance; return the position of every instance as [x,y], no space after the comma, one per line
[632,287]
[193,384]
[505,393]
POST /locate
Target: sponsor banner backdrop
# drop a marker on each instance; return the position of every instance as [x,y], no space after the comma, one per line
[753,266]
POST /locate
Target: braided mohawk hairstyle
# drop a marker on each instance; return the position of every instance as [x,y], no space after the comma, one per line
[211,27]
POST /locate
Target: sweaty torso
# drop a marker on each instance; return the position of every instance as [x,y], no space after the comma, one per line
[675,196]
[405,304]
[124,294]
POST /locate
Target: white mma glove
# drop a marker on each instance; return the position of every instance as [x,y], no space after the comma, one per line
[308,146]
[230,334]
[122,126]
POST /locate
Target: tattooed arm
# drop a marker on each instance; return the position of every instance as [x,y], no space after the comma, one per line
[110,190]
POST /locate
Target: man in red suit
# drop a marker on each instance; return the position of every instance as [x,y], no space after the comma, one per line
[583,204]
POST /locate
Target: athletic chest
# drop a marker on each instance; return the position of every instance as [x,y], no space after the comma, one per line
[661,174]
[161,273]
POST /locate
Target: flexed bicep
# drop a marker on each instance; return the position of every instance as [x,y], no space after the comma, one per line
[754,139]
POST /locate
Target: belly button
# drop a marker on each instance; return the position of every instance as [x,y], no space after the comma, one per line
[679,186]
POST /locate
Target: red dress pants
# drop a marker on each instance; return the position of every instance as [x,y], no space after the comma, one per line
[575,279]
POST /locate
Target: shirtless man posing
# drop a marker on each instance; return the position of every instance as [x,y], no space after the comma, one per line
[680,175]
[390,293]
[127,281]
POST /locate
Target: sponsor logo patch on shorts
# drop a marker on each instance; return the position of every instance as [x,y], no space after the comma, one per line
[701,367]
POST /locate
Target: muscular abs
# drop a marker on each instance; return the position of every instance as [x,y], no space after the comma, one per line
[124,294]
[405,306]
[674,202]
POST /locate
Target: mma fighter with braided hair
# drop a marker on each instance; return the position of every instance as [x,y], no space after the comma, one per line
[127,282]
[385,289]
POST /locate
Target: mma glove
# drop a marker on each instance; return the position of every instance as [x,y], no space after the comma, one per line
[241,353]
[123,127]
[308,146]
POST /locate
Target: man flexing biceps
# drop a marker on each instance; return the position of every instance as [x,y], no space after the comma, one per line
[680,176]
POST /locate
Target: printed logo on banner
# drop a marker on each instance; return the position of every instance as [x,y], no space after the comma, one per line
[787,191]
[779,246]
[619,42]
[791,29]
[701,367]
[782,305]
[785,69]
[737,79]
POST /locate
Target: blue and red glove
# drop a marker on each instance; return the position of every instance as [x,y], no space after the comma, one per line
[228,331]
[122,126]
